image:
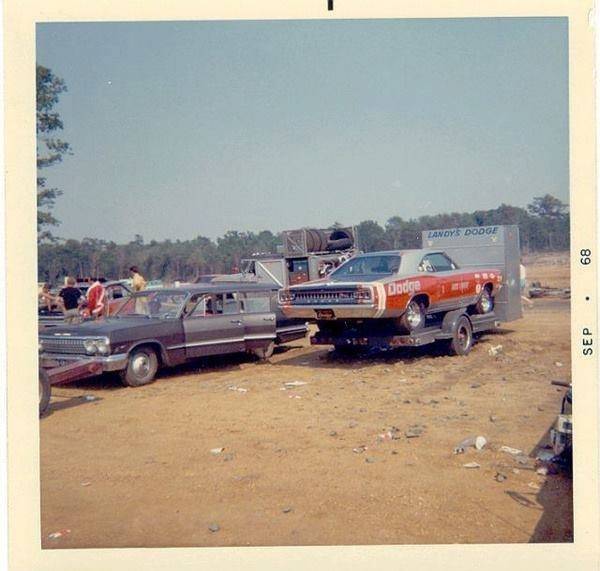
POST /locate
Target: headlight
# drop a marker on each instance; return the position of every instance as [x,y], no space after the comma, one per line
[90,346]
[103,346]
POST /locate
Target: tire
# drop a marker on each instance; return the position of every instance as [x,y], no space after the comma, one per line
[462,337]
[45,391]
[141,367]
[265,353]
[413,318]
[485,303]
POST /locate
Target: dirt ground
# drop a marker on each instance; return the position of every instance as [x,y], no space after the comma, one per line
[312,464]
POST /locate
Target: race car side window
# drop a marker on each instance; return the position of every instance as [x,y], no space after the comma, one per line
[426,265]
[441,262]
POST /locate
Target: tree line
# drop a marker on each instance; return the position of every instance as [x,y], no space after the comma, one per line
[543,226]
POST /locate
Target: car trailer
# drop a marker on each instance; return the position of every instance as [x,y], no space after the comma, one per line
[474,247]
[63,374]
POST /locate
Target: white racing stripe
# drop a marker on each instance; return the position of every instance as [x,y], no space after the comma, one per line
[381,298]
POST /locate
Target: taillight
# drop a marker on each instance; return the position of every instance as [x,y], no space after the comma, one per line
[362,295]
[286,296]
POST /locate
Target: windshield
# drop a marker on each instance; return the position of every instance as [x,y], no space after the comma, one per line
[161,304]
[385,264]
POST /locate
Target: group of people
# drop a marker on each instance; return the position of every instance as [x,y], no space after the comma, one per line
[75,305]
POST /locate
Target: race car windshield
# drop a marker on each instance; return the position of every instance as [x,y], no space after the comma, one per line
[160,304]
[384,265]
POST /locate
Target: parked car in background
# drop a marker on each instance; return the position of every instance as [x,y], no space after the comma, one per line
[166,327]
[116,294]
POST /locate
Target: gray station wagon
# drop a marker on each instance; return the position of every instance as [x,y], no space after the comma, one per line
[167,327]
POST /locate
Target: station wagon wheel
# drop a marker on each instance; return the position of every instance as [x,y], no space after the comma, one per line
[485,303]
[45,390]
[141,367]
[462,337]
[413,318]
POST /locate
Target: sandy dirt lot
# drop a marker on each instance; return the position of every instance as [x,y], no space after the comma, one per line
[308,465]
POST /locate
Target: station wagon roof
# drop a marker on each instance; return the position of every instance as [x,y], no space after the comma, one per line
[221,287]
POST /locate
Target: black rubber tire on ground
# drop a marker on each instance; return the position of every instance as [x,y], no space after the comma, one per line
[142,366]
[485,303]
[45,390]
[264,353]
[407,321]
[462,337]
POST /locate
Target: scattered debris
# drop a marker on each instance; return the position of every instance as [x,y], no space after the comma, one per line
[493,418]
[471,465]
[414,431]
[228,457]
[558,364]
[516,471]
[294,383]
[369,460]
[286,510]
[90,397]
[509,450]
[352,424]
[475,385]
[534,486]
[333,433]
[542,471]
[359,449]
[495,350]
[84,484]
[216,451]
[545,455]
[394,452]
[295,397]
[58,534]
[500,477]
[477,442]
[406,401]
[522,459]
[238,389]
[214,527]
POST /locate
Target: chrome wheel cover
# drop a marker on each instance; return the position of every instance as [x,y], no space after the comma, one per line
[141,365]
[413,315]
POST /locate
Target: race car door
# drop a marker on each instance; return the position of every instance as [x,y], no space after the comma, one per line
[259,320]
[212,325]
[451,286]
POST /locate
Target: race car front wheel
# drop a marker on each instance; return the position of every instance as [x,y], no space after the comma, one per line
[413,318]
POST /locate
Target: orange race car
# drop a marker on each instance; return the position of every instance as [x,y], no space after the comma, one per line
[402,287]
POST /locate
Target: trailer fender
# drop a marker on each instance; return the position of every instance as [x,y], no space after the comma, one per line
[450,320]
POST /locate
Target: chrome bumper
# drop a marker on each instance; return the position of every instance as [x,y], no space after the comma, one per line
[116,362]
[358,311]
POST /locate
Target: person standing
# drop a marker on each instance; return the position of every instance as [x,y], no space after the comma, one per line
[96,295]
[70,297]
[137,280]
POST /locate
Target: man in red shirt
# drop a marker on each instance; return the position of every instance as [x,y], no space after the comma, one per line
[96,299]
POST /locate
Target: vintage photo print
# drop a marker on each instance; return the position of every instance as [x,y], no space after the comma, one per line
[317,278]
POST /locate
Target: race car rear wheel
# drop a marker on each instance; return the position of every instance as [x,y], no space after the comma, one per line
[141,367]
[485,303]
[462,337]
[413,318]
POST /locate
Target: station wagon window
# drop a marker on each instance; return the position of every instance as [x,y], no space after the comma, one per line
[203,305]
[437,262]
[255,302]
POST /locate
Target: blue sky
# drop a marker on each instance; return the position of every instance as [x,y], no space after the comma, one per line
[181,129]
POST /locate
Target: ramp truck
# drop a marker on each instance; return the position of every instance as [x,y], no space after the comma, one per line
[463,281]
